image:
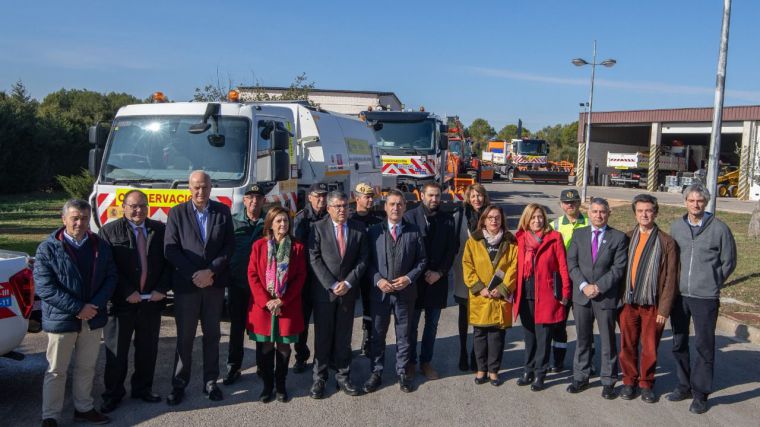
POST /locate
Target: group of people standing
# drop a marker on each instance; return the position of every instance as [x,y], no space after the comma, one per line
[278,272]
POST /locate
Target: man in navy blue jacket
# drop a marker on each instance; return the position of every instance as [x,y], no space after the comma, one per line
[75,276]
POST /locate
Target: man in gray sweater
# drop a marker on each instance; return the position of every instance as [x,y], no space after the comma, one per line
[708,257]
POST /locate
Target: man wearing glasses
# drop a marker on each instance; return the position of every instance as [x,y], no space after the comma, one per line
[137,243]
[338,256]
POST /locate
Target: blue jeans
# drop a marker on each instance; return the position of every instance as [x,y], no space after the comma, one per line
[432,315]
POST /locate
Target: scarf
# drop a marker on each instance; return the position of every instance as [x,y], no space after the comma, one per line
[278,258]
[493,239]
[532,242]
[644,290]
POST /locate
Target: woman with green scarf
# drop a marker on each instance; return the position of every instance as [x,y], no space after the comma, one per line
[276,274]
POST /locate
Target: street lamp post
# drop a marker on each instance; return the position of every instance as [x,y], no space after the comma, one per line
[579,62]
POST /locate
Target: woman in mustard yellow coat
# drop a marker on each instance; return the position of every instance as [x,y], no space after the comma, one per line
[490,261]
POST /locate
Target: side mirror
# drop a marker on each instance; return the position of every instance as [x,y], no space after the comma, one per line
[377,126]
[212,109]
[281,166]
[280,140]
[98,135]
[443,142]
[94,160]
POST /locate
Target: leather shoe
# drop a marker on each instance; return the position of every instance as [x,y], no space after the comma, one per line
[147,396]
[429,372]
[481,380]
[648,396]
[372,383]
[405,384]
[213,391]
[109,404]
[538,384]
[698,406]
[232,376]
[282,396]
[49,422]
[526,379]
[495,381]
[608,392]
[175,397]
[266,395]
[349,388]
[628,392]
[299,366]
[679,394]
[317,389]
[577,386]
[92,416]
[556,369]
[411,370]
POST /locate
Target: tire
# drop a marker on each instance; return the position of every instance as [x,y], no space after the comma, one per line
[722,190]
[510,175]
[733,190]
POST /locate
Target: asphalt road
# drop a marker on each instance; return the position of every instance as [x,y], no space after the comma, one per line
[452,400]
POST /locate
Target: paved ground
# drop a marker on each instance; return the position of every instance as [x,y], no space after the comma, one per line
[452,400]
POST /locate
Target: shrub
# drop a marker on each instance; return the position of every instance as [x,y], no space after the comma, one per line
[77,186]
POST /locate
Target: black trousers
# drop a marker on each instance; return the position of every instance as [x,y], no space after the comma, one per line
[273,365]
[704,312]
[333,327]
[488,343]
[238,300]
[463,324]
[307,306]
[538,339]
[204,305]
[143,320]
[365,286]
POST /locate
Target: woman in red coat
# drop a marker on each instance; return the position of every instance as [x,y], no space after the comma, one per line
[276,274]
[543,289]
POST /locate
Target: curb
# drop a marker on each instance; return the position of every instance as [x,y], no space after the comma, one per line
[738,330]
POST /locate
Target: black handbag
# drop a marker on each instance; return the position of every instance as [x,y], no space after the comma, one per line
[557,286]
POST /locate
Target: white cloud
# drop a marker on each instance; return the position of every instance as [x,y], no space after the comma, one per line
[641,86]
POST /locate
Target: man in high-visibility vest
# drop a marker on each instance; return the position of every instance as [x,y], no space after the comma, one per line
[570,202]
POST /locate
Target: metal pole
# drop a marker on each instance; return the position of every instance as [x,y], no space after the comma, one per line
[588,127]
[712,166]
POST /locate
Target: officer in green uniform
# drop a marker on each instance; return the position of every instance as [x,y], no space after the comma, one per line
[570,202]
[248,228]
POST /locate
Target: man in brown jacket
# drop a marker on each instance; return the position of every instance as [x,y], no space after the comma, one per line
[650,287]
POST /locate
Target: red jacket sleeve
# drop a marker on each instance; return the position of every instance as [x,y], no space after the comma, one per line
[257,275]
[296,274]
[559,249]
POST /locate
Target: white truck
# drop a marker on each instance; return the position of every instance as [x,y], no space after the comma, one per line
[16,301]
[632,168]
[284,147]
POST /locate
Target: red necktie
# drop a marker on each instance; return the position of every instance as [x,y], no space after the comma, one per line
[393,232]
[142,251]
[341,241]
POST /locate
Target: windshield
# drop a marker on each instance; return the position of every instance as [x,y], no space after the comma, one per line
[455,147]
[532,146]
[417,136]
[159,148]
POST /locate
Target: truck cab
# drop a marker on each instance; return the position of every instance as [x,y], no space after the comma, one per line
[412,145]
[284,147]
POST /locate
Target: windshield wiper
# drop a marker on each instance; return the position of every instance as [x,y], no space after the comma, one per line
[135,181]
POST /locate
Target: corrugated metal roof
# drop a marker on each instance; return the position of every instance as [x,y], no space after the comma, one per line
[681,115]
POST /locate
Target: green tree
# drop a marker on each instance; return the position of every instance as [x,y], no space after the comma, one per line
[563,141]
[22,153]
[509,132]
[480,131]
[297,91]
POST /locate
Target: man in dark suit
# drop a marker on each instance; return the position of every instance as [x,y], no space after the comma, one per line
[597,260]
[396,262]
[199,242]
[137,244]
[338,255]
[432,287]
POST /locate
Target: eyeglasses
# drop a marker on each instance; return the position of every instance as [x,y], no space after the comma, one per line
[135,207]
[493,218]
[339,207]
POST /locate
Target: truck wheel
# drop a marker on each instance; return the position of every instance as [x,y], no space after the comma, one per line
[733,190]
[510,175]
[722,190]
